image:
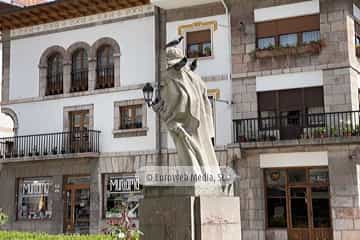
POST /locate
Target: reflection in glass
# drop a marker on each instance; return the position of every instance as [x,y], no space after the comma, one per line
[276,212]
[309,37]
[289,40]
[275,177]
[299,208]
[319,176]
[265,43]
[321,207]
[297,175]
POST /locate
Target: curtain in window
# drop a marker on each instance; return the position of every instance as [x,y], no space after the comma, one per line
[288,40]
[105,57]
[309,37]
[264,43]
[79,60]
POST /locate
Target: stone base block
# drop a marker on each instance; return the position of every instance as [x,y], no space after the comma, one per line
[190,218]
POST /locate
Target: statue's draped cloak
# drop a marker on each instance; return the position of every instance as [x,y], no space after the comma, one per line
[188,115]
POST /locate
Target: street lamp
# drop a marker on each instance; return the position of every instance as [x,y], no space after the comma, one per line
[148,92]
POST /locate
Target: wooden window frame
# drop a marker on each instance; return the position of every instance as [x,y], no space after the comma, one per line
[79,74]
[105,72]
[198,29]
[132,120]
[276,33]
[135,132]
[55,60]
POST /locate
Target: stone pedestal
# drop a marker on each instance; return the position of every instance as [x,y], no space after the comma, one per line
[173,214]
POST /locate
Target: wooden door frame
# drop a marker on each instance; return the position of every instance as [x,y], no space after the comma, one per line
[72,188]
[308,186]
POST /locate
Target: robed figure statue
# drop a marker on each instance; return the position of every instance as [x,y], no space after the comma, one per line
[185,108]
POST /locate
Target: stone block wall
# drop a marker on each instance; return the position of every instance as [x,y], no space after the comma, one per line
[244,98]
[341,90]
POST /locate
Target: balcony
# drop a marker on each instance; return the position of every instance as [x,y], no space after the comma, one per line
[48,146]
[299,127]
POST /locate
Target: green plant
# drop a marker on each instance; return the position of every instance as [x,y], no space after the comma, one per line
[43,236]
[3,217]
[121,229]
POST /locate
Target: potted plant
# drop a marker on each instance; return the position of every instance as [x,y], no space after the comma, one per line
[357,50]
[322,132]
[347,131]
[30,154]
[36,152]
[54,150]
[22,154]
[63,151]
[45,153]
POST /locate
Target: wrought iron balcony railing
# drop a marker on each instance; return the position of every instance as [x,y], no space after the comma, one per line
[298,126]
[50,144]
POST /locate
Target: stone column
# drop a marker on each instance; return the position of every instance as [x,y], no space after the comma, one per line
[6,43]
[117,69]
[92,74]
[67,77]
[43,82]
[179,213]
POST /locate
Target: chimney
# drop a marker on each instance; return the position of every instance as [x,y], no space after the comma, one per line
[26,3]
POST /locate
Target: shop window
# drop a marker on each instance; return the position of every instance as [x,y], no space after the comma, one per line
[357,38]
[276,198]
[33,199]
[304,192]
[121,192]
[198,44]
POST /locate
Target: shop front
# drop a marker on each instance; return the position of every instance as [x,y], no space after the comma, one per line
[298,199]
[122,192]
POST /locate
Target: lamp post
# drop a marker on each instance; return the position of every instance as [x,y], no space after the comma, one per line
[148,92]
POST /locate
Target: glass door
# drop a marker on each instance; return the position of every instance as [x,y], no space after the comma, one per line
[299,214]
[79,126]
[77,209]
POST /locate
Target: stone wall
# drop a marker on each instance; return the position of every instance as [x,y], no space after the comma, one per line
[335,58]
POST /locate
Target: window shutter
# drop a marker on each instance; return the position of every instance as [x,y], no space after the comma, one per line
[289,25]
[314,97]
[198,37]
[290,100]
[267,101]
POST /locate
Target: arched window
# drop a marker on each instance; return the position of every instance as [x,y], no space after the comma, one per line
[105,67]
[54,84]
[79,71]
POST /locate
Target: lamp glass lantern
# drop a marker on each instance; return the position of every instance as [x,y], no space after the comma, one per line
[148,92]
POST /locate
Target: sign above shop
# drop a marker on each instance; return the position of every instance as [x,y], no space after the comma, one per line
[35,188]
[124,184]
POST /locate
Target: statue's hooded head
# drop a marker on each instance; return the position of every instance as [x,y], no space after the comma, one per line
[173,56]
